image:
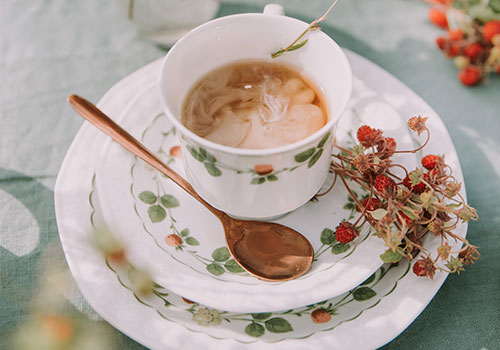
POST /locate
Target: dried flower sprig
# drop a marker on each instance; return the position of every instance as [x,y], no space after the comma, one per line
[402,210]
[314,25]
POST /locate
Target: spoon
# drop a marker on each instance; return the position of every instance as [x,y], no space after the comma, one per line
[269,251]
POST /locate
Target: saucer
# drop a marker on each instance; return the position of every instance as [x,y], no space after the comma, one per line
[387,304]
[183,245]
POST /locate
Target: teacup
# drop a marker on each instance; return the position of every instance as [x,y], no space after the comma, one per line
[265,183]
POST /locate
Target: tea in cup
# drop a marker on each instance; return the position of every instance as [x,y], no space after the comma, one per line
[256,133]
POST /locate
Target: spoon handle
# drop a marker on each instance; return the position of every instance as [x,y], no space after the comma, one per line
[95,116]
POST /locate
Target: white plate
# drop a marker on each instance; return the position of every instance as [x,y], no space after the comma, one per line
[399,296]
[182,244]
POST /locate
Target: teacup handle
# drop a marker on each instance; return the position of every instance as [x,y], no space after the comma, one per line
[274,9]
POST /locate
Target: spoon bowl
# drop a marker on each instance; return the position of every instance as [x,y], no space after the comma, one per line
[267,250]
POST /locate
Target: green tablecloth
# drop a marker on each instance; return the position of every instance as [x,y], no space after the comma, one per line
[50,48]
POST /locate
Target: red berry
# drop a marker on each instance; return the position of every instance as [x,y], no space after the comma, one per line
[345,232]
[469,76]
[175,151]
[418,188]
[441,42]
[118,256]
[433,175]
[390,142]
[173,240]
[438,17]
[473,50]
[369,137]
[455,34]
[453,50]
[498,69]
[419,270]
[370,204]
[384,185]
[424,267]
[320,316]
[429,161]
[490,29]
[187,301]
[364,131]
[263,169]
[388,146]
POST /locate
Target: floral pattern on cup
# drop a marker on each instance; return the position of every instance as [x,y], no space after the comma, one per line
[260,172]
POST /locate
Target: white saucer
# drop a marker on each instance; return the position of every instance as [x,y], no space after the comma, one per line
[182,244]
[365,320]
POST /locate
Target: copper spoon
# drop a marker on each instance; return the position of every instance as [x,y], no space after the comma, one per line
[269,251]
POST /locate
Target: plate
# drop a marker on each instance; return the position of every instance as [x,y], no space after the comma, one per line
[182,244]
[368,316]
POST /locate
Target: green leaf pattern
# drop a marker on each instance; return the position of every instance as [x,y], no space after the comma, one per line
[213,166]
[222,259]
[256,325]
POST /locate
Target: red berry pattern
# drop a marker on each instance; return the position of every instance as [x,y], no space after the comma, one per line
[320,316]
[263,169]
[187,301]
[175,151]
[173,240]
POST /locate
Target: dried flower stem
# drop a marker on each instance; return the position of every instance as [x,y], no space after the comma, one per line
[312,26]
[131,9]
[406,209]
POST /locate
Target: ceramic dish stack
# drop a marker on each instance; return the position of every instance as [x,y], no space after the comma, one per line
[202,298]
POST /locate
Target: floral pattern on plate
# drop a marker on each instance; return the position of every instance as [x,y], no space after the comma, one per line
[118,305]
[273,327]
[151,227]
[155,205]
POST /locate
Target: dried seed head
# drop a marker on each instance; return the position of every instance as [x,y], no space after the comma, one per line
[418,124]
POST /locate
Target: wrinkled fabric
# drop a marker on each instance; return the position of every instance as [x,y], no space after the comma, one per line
[51,48]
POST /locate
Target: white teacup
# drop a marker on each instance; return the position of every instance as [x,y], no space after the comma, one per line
[267,182]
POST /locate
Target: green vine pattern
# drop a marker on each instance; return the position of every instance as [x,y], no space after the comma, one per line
[266,173]
[323,316]
[161,206]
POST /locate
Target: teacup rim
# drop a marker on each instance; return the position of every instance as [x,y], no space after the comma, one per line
[246,151]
